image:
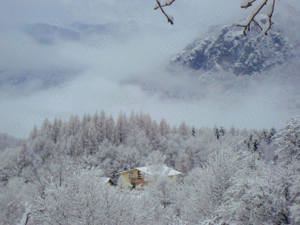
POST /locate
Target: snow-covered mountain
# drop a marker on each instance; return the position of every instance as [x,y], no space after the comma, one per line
[45,33]
[228,49]
[36,79]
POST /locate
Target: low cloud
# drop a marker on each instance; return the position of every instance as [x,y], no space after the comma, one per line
[129,72]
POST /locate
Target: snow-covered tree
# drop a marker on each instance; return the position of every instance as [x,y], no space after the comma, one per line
[287,142]
[205,187]
[50,178]
[255,197]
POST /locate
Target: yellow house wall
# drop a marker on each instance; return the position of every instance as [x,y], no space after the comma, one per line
[125,177]
[173,177]
[124,180]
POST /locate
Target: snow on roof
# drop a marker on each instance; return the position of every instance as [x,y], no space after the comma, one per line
[104,179]
[158,170]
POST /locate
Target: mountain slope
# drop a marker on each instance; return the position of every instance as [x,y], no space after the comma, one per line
[48,33]
[45,33]
[231,51]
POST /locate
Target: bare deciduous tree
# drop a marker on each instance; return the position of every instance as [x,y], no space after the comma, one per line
[257,5]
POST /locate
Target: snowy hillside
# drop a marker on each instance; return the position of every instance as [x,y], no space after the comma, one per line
[230,50]
[228,176]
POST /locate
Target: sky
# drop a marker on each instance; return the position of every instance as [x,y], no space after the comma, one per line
[124,68]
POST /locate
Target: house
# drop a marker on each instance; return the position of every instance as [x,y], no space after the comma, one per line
[141,176]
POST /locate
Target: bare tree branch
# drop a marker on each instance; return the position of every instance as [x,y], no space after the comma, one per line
[245,5]
[257,24]
[253,15]
[27,218]
[270,15]
[161,6]
[168,3]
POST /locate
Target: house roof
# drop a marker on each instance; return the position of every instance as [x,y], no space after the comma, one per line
[157,170]
[104,179]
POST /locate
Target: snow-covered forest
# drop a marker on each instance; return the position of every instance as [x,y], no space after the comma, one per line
[230,176]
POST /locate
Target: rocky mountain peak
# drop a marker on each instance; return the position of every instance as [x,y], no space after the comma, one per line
[230,50]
